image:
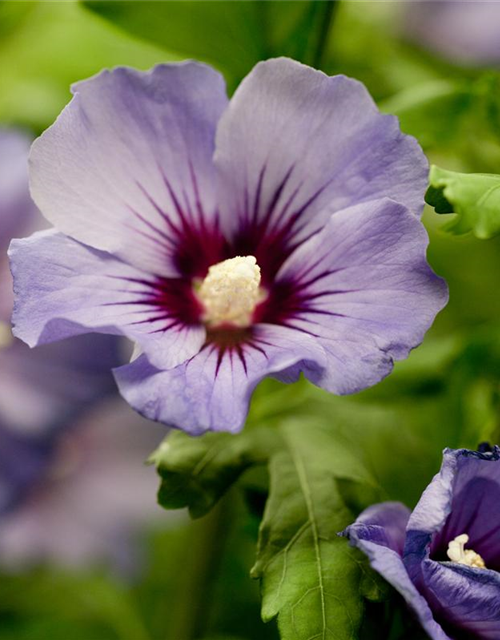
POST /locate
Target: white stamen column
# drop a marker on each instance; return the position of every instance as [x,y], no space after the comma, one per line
[457,553]
[231,291]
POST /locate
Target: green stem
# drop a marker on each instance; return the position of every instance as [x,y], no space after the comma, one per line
[204,552]
[329,8]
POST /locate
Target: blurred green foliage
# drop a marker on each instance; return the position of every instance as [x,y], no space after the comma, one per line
[233,36]
[46,46]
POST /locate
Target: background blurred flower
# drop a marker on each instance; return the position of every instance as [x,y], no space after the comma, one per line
[231,241]
[463,31]
[41,392]
[17,211]
[95,495]
[72,479]
[444,557]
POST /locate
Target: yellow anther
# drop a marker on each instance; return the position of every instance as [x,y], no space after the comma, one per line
[231,291]
[457,553]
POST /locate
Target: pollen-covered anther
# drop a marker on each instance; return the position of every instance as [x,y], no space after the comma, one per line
[457,553]
[231,291]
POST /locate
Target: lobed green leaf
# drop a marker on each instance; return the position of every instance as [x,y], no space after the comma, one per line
[311,579]
[196,472]
[474,198]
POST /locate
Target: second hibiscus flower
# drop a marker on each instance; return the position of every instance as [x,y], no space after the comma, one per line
[274,234]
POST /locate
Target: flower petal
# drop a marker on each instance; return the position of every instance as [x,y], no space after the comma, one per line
[459,468]
[64,288]
[127,167]
[465,600]
[212,390]
[369,535]
[386,524]
[468,490]
[363,288]
[294,141]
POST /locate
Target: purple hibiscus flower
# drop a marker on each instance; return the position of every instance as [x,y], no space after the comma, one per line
[274,234]
[444,557]
[464,31]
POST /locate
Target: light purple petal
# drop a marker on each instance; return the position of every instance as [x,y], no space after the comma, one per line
[64,288]
[366,292]
[212,390]
[129,160]
[295,141]
[372,540]
[466,600]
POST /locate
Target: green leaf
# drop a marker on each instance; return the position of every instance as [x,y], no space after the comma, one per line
[435,197]
[474,198]
[196,472]
[311,579]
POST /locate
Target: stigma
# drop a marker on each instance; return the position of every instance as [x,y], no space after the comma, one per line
[231,291]
[457,553]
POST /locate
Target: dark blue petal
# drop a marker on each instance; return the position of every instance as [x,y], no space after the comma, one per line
[465,600]
[378,535]
[475,508]
[456,502]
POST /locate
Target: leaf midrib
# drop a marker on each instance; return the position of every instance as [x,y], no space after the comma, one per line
[306,491]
